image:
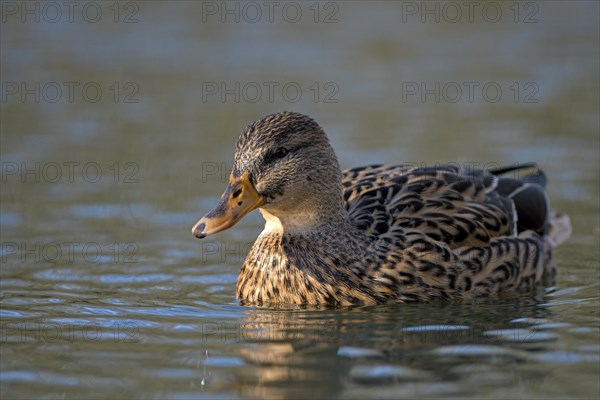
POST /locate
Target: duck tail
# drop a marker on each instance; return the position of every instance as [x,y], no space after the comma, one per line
[524,173]
[527,191]
[560,228]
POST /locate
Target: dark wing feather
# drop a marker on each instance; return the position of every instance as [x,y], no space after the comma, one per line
[527,192]
[458,207]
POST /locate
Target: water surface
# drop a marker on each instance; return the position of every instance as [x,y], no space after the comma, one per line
[105,292]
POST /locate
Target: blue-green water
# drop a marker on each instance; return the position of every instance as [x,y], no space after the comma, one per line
[118,122]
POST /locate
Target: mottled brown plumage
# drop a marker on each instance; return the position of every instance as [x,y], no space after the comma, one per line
[379,233]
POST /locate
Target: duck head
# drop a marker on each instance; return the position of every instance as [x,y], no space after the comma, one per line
[284,165]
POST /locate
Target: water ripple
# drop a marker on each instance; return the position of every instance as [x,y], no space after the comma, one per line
[520,335]
[567,357]
[435,328]
[379,373]
[473,350]
[358,352]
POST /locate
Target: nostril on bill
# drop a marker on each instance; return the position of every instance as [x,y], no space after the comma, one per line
[198,231]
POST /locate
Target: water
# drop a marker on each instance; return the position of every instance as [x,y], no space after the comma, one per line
[105,292]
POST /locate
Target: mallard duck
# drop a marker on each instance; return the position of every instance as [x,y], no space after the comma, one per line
[379,233]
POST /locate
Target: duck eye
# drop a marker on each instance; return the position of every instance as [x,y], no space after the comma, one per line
[280,152]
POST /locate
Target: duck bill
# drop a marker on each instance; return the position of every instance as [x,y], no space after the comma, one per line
[239,199]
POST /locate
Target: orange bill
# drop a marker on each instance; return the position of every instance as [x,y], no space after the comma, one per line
[239,199]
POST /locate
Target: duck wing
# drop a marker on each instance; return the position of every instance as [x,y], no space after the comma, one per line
[457,206]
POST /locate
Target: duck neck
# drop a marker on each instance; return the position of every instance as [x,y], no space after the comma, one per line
[307,221]
[316,237]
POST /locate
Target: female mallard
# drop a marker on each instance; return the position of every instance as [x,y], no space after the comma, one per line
[378,233]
